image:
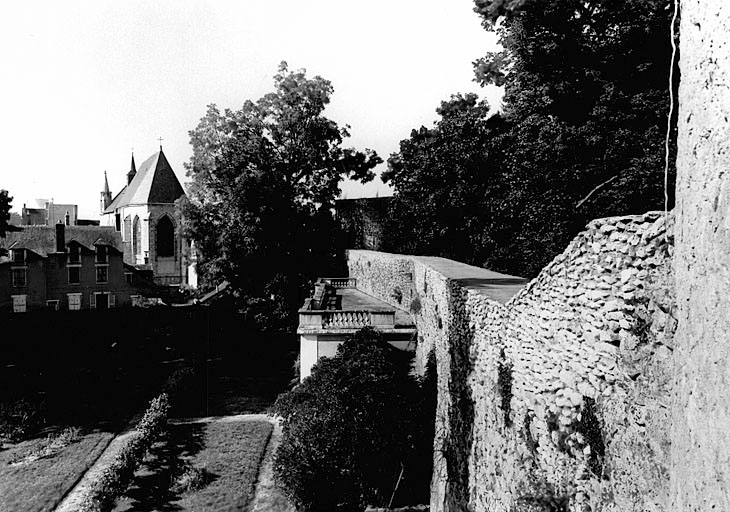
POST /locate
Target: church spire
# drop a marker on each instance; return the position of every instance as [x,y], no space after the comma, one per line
[106,195]
[132,170]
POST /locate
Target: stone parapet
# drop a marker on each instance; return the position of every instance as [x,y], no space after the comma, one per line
[552,393]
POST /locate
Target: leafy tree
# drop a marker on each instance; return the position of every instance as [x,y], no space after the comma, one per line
[5,202]
[264,181]
[583,126]
[355,430]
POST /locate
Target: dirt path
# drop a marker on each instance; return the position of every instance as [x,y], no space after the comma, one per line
[72,501]
[267,496]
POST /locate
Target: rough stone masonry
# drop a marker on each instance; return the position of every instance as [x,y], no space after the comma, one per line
[555,394]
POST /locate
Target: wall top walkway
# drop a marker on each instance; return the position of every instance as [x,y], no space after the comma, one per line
[494,285]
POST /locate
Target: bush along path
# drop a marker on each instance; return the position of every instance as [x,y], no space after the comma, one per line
[113,471]
[205,465]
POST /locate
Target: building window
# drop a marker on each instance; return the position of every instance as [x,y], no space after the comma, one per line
[74,254]
[19,276]
[117,221]
[136,237]
[127,235]
[74,275]
[52,305]
[128,277]
[102,255]
[102,274]
[165,238]
[74,301]
[19,303]
[103,300]
[18,256]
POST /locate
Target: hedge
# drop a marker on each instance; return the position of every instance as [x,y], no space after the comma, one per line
[116,478]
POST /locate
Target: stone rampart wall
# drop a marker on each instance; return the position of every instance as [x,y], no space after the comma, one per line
[557,399]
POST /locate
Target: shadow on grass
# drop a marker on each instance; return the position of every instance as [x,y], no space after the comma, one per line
[151,488]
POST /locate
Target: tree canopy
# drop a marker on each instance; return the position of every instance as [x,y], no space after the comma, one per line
[5,202]
[264,180]
[580,134]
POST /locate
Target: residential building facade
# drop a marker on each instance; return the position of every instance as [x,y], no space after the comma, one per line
[65,268]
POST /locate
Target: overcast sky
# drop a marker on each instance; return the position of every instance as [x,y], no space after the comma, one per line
[84,82]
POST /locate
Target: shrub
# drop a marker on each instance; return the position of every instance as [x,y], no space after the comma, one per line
[19,418]
[115,479]
[504,383]
[50,446]
[190,478]
[415,305]
[354,432]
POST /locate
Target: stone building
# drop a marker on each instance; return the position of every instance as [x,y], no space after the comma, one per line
[144,213]
[65,268]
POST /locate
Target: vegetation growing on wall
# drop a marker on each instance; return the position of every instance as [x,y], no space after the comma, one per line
[504,383]
[358,431]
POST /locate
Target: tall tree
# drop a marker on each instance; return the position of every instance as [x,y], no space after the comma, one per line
[5,202]
[264,181]
[584,117]
[450,190]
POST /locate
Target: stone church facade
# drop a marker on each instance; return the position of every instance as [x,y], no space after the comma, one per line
[145,215]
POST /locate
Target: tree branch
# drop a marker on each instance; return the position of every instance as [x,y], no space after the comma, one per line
[609,180]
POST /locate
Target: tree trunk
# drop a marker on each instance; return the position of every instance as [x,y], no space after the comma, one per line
[700,469]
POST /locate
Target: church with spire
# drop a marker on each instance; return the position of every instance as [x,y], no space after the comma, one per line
[144,213]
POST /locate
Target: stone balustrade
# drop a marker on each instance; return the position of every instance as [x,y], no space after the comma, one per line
[344,319]
[339,282]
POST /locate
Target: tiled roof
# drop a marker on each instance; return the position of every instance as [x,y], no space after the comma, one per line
[154,182]
[42,239]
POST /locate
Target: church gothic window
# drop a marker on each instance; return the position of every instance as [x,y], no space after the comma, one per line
[136,237]
[165,237]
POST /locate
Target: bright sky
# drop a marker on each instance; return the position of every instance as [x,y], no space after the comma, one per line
[85,81]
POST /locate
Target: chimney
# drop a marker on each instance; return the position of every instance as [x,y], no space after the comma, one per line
[67,218]
[60,238]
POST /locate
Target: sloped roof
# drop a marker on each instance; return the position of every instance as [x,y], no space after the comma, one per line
[155,182]
[42,239]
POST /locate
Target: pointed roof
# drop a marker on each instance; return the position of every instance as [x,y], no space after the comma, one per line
[42,239]
[106,185]
[154,182]
[132,170]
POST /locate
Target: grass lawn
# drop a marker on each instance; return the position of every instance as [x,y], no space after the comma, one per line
[229,452]
[40,485]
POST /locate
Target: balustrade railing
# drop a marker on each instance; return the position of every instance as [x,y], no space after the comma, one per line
[340,282]
[335,319]
[344,319]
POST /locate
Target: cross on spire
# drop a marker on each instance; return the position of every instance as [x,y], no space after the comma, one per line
[160,139]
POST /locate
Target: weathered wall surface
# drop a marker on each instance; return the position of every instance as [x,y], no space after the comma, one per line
[556,399]
[701,409]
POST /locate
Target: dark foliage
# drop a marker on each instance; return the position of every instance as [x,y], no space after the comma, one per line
[264,181]
[5,202]
[590,428]
[581,135]
[116,478]
[504,383]
[358,431]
